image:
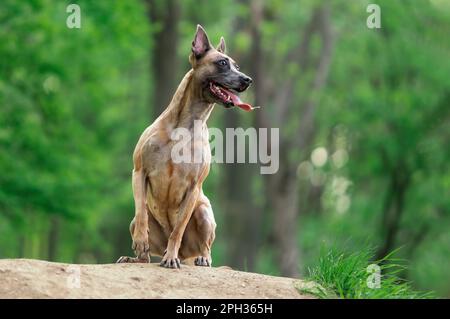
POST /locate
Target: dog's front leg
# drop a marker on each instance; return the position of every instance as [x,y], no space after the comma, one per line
[170,258]
[140,232]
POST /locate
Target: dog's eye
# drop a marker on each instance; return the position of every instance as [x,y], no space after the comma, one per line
[223,62]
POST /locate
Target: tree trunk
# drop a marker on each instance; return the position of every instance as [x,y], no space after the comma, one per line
[53,237]
[393,211]
[283,186]
[285,205]
[243,220]
[164,66]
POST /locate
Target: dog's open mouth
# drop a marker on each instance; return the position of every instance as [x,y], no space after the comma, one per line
[228,97]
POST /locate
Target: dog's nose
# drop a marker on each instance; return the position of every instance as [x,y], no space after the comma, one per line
[247,80]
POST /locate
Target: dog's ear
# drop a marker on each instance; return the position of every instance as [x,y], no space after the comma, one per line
[201,44]
[222,48]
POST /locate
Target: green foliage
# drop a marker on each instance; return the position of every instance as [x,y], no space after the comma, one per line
[64,93]
[386,108]
[345,275]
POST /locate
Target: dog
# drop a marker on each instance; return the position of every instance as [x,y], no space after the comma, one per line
[173,217]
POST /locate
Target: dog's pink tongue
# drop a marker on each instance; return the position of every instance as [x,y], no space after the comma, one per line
[237,102]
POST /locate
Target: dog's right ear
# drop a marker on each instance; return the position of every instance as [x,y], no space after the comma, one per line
[201,43]
[222,47]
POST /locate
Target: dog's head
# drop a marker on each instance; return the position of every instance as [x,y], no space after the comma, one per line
[217,73]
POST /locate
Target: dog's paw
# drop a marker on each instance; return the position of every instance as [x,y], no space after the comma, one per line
[202,261]
[170,261]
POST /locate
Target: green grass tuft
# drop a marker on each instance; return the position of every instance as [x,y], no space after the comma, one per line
[340,275]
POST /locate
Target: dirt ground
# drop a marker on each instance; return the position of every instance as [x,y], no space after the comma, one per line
[24,278]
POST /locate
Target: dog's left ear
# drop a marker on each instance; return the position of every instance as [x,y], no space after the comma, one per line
[201,43]
[222,47]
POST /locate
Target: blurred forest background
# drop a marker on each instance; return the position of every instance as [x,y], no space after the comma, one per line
[363,113]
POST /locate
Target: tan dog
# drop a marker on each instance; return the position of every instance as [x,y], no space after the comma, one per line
[173,217]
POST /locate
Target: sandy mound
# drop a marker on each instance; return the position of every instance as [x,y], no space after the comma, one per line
[24,278]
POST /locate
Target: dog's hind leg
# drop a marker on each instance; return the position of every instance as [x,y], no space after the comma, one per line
[157,238]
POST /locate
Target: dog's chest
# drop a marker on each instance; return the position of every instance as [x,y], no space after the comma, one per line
[171,172]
